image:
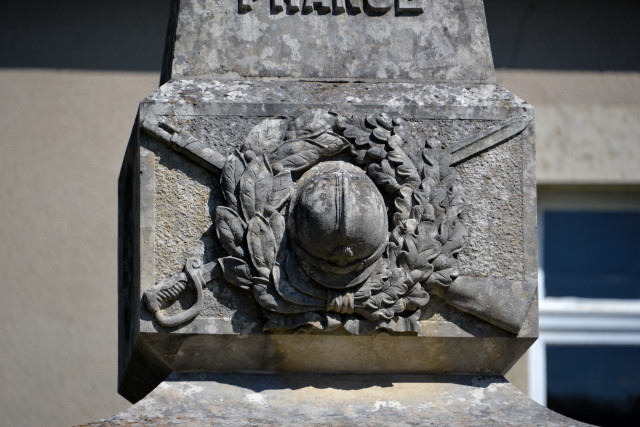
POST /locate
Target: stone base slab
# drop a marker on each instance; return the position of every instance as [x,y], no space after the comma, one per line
[329,399]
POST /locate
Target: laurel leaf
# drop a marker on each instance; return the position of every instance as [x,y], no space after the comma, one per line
[262,244]
[230,176]
[230,229]
[265,136]
[302,160]
[236,271]
[282,186]
[296,155]
[255,187]
[277,223]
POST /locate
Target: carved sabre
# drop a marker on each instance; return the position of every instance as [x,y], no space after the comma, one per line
[170,289]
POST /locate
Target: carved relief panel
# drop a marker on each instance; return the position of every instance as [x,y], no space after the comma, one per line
[336,221]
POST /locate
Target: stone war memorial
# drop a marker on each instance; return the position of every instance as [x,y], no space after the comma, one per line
[328,216]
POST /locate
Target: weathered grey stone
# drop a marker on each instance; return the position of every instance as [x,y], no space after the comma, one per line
[372,400]
[474,147]
[330,187]
[425,40]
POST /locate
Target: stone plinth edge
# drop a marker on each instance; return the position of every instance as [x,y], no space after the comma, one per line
[311,399]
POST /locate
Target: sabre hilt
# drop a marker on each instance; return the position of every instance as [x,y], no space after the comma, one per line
[173,288]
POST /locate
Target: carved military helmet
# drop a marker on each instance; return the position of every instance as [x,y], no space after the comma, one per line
[338,224]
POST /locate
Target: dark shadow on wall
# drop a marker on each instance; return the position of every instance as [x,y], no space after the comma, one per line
[83,34]
[130,34]
[565,34]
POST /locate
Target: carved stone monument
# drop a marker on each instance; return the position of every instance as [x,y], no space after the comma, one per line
[327,187]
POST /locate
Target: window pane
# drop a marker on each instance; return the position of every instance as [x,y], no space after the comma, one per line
[592,254]
[595,384]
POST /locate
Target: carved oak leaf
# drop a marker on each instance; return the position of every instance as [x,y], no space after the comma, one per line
[389,313]
[230,229]
[262,244]
[421,249]
[448,174]
[402,324]
[443,277]
[380,120]
[380,135]
[422,209]
[377,283]
[231,173]
[405,168]
[416,298]
[434,155]
[403,205]
[255,187]
[236,271]
[452,232]
[384,175]
[424,239]
[445,270]
[413,140]
[437,198]
[377,154]
[356,131]
[359,136]
[387,302]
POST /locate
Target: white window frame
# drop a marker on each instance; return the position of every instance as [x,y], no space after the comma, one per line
[579,321]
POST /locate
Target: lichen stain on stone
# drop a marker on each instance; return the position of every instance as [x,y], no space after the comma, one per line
[256,399]
[388,405]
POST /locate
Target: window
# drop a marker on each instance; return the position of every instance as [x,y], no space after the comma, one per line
[586,363]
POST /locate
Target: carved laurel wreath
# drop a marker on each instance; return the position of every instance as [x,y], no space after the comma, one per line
[426,230]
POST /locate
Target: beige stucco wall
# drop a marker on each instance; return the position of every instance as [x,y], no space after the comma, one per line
[63,136]
[587,124]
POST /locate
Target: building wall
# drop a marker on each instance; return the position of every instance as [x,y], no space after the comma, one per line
[63,139]
[587,124]
[71,76]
